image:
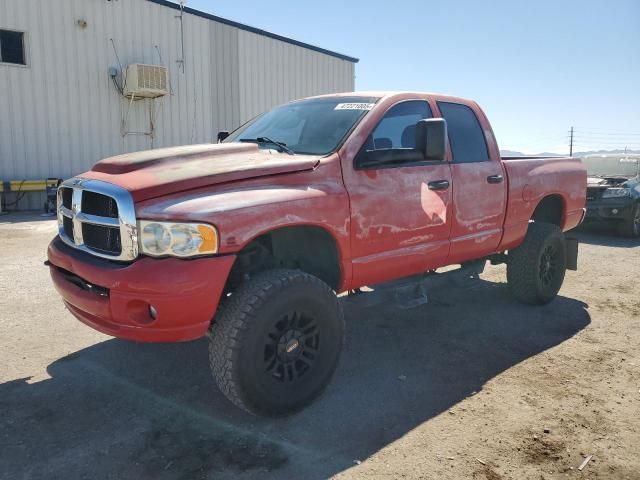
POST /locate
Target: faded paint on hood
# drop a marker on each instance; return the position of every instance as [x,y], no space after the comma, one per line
[154,173]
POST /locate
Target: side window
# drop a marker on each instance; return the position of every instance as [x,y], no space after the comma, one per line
[465,134]
[12,47]
[397,129]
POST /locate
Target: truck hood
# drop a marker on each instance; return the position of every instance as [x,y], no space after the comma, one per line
[154,173]
[609,180]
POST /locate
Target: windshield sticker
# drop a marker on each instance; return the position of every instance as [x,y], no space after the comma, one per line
[354,106]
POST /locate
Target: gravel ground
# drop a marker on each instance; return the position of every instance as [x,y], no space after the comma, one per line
[470,385]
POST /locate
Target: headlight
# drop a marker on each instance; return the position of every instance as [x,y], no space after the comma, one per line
[616,192]
[177,239]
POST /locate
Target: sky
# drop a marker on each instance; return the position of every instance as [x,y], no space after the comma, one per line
[536,67]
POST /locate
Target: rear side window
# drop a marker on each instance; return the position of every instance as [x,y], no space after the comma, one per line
[397,129]
[465,134]
[12,47]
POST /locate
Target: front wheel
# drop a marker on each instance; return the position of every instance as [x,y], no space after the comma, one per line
[631,226]
[276,342]
[535,270]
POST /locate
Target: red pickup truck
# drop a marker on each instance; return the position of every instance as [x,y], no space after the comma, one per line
[250,240]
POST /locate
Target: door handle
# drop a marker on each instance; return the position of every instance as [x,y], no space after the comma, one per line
[438,185]
[495,179]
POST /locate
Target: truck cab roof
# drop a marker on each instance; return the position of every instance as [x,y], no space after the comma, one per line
[400,94]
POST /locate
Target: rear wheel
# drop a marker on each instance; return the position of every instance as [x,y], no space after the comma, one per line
[276,342]
[631,226]
[535,270]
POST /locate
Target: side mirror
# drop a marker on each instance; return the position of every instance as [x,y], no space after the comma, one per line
[222,135]
[431,138]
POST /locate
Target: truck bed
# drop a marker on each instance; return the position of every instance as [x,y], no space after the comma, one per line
[531,157]
[533,178]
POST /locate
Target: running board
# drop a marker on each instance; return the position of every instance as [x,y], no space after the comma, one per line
[411,292]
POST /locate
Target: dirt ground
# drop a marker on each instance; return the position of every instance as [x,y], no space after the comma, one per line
[470,385]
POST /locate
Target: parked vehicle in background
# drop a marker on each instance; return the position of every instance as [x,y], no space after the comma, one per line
[250,240]
[613,192]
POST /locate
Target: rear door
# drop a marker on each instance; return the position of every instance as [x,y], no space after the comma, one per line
[479,192]
[400,209]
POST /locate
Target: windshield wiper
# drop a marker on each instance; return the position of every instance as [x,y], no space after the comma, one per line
[261,140]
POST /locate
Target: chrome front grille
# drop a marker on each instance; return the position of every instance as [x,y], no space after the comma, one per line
[595,193]
[98,218]
[98,204]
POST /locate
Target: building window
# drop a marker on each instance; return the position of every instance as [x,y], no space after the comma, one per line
[12,47]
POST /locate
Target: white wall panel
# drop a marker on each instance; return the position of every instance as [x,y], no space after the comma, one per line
[61,113]
[273,72]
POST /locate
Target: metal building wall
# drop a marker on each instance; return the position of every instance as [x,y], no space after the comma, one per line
[273,72]
[61,113]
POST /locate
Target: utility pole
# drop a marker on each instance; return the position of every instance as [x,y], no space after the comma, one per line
[571,142]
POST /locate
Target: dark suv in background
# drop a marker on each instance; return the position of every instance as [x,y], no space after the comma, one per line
[614,197]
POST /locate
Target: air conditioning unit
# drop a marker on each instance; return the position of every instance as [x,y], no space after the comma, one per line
[148,81]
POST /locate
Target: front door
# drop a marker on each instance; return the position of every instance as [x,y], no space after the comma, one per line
[399,209]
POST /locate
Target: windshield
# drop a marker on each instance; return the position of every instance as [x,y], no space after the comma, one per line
[316,126]
[624,165]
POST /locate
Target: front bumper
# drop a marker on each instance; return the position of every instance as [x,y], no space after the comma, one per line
[115,298]
[611,209]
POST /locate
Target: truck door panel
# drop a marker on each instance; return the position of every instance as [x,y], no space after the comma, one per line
[399,222]
[479,192]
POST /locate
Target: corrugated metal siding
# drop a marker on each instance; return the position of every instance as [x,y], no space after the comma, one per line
[61,113]
[273,72]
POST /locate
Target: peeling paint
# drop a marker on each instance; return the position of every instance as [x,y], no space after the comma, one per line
[387,223]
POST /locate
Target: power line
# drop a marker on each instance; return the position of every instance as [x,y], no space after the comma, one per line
[598,142]
[608,136]
[607,130]
[576,138]
[603,134]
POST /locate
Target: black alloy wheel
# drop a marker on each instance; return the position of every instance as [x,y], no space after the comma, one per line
[276,341]
[536,268]
[292,347]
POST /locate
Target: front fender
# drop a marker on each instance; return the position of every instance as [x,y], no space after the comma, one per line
[242,212]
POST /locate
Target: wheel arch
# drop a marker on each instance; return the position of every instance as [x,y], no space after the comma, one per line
[307,247]
[550,209]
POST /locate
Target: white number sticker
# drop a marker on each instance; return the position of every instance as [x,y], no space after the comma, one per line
[354,106]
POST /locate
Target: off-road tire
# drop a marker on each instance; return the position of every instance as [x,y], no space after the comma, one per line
[631,227]
[535,269]
[273,307]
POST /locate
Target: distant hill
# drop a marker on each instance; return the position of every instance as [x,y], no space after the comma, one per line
[511,153]
[514,153]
